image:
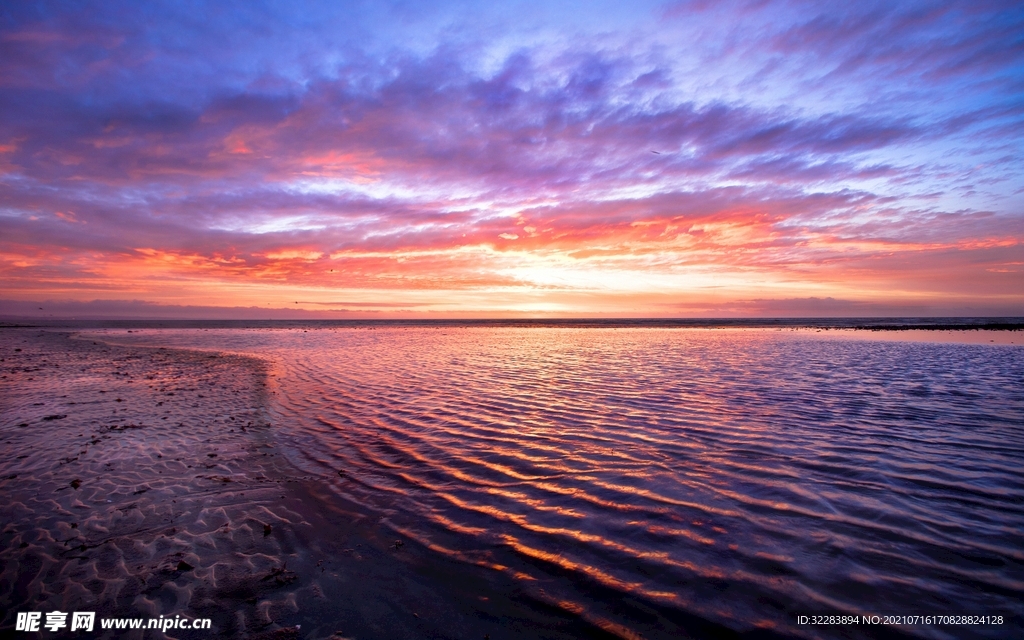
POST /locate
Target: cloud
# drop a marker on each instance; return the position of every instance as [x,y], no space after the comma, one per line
[143,150]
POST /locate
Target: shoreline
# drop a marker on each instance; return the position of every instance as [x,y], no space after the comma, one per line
[144,479]
[109,507]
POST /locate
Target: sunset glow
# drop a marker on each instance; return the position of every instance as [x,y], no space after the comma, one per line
[457,160]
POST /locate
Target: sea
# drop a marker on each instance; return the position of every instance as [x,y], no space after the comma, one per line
[761,478]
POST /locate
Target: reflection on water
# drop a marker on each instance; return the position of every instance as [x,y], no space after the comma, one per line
[746,477]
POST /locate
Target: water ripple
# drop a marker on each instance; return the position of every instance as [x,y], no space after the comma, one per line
[746,477]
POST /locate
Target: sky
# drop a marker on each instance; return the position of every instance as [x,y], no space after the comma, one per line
[467,159]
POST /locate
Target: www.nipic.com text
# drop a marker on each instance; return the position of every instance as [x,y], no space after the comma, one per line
[86,620]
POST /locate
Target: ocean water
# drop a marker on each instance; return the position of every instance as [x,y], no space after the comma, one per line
[743,476]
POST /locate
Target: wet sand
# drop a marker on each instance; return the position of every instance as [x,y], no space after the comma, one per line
[140,482]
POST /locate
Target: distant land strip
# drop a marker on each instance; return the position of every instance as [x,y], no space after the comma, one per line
[988,326]
[870,324]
